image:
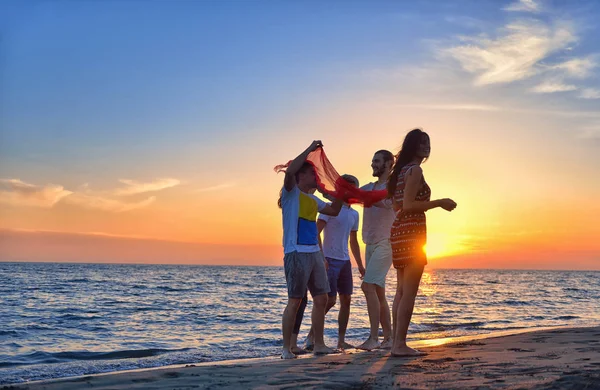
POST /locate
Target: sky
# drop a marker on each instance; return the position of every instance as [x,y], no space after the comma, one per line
[136,131]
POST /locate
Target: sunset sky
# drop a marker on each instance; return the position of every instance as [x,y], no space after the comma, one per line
[138,131]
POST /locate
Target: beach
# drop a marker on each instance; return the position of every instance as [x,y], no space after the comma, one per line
[565,358]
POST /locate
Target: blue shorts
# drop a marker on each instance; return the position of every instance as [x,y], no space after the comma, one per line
[340,277]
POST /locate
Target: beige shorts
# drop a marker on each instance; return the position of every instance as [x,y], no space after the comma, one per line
[378,258]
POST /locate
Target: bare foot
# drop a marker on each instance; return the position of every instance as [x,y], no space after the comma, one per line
[369,345]
[287,354]
[406,351]
[310,345]
[386,344]
[323,350]
[345,345]
[298,351]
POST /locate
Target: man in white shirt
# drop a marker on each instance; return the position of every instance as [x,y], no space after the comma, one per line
[338,231]
[377,224]
[303,261]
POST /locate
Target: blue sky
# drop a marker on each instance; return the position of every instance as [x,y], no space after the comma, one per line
[85,78]
[127,105]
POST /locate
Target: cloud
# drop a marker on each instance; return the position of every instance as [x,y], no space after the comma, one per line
[134,187]
[577,67]
[216,188]
[488,108]
[553,86]
[19,193]
[454,107]
[590,132]
[590,93]
[524,6]
[516,52]
[106,204]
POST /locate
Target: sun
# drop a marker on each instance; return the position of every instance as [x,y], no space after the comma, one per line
[440,245]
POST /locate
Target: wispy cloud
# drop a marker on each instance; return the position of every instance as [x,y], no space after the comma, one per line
[216,187]
[514,54]
[106,204]
[474,107]
[524,6]
[590,93]
[19,193]
[577,67]
[133,187]
[590,132]
[553,86]
[454,107]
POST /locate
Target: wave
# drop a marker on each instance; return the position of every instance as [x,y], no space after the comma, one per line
[567,317]
[81,280]
[266,342]
[438,327]
[41,357]
[9,333]
[74,317]
[515,302]
[173,289]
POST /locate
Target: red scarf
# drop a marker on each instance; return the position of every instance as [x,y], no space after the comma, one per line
[331,183]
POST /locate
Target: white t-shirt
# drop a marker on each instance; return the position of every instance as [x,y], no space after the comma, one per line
[377,221]
[337,233]
[299,211]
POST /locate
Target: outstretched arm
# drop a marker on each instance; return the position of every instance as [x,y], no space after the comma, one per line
[290,173]
[355,248]
[320,226]
[334,208]
[410,205]
[384,204]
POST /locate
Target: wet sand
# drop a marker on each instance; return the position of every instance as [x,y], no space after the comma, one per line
[566,358]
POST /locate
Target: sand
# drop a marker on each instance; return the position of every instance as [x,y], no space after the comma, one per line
[566,358]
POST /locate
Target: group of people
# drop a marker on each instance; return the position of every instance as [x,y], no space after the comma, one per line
[394,231]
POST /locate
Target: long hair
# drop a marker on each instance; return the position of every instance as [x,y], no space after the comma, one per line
[306,165]
[410,146]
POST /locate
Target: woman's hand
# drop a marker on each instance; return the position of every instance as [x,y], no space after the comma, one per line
[447,204]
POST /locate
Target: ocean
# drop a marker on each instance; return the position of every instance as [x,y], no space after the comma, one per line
[59,320]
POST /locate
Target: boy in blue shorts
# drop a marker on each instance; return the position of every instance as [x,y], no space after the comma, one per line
[338,231]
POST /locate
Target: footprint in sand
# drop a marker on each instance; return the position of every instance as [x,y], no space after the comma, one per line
[442,360]
[143,380]
[520,350]
[466,344]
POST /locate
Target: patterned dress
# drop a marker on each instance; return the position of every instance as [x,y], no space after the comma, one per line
[409,231]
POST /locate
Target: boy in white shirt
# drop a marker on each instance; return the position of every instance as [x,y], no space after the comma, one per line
[338,231]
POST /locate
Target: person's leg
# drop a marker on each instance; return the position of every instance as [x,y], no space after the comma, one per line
[397,297]
[318,321]
[343,317]
[384,318]
[373,309]
[296,277]
[412,278]
[332,278]
[345,287]
[299,316]
[318,286]
[287,326]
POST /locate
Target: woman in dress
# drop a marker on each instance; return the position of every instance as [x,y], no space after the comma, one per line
[411,198]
